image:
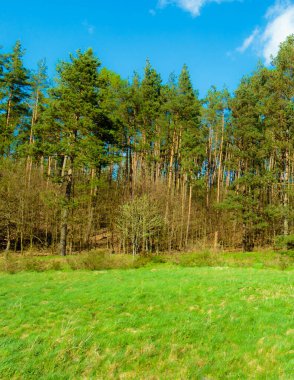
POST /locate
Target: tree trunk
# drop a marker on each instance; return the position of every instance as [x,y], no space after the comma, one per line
[248,243]
[90,209]
[31,140]
[8,238]
[285,196]
[184,180]
[208,170]
[65,211]
[189,214]
[219,177]
[8,112]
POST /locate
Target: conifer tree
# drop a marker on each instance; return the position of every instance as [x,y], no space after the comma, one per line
[150,89]
[74,116]
[28,138]
[248,156]
[14,95]
[279,116]
[215,118]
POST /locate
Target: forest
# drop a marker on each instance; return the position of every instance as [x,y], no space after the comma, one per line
[140,166]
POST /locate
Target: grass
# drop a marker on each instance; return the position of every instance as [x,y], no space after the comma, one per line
[158,322]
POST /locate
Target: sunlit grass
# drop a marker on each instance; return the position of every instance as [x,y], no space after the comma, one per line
[158,322]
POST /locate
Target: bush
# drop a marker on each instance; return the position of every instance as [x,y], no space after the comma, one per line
[12,263]
[56,265]
[200,259]
[285,242]
[9,264]
[140,224]
[97,260]
[33,265]
[103,261]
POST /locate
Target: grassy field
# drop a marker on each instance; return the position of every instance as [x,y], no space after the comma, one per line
[156,322]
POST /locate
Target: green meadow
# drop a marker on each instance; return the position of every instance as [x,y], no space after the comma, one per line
[160,321]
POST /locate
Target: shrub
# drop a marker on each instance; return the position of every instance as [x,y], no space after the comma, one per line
[199,259]
[55,265]
[139,224]
[32,264]
[10,265]
[285,242]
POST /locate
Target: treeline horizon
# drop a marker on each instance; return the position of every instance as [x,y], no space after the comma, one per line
[143,166]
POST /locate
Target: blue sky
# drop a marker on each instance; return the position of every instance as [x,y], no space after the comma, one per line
[219,40]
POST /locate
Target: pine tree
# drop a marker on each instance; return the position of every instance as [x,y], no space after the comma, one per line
[215,118]
[74,116]
[191,146]
[151,99]
[248,151]
[279,116]
[14,95]
[28,141]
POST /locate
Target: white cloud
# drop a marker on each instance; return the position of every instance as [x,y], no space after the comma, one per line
[279,25]
[89,28]
[248,41]
[191,6]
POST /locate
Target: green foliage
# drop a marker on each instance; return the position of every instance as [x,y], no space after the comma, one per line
[30,136]
[285,242]
[14,92]
[220,164]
